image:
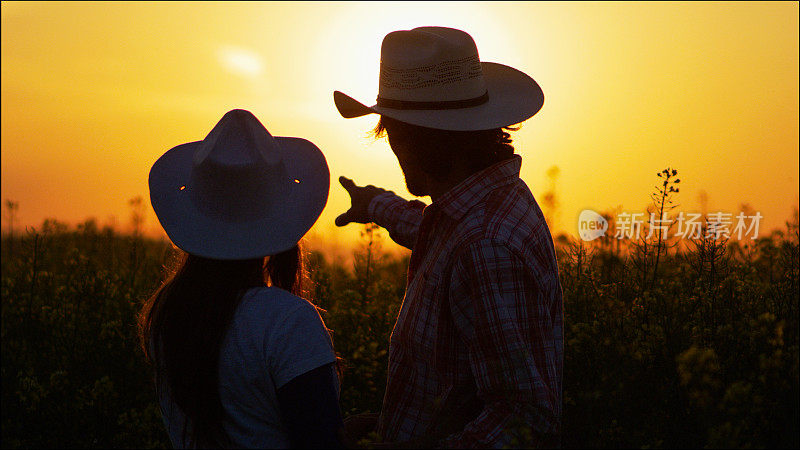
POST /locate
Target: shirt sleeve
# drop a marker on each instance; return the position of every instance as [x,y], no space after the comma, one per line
[299,345]
[309,406]
[499,326]
[399,216]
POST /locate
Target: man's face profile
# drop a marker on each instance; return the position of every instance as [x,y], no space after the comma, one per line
[401,145]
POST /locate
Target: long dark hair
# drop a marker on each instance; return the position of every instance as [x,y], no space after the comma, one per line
[182,325]
[439,149]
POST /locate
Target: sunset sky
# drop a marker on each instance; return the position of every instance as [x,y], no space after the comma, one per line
[94,93]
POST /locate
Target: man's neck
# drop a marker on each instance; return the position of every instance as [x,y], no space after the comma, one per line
[441,186]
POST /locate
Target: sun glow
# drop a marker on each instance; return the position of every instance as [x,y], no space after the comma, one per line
[93,93]
[351,42]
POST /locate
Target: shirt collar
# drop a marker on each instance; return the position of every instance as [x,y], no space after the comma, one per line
[461,198]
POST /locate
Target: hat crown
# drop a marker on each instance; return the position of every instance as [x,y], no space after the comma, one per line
[238,165]
[430,64]
[238,139]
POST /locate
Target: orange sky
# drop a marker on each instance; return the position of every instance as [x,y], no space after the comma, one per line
[93,94]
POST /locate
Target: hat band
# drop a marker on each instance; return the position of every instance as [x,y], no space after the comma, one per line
[452,104]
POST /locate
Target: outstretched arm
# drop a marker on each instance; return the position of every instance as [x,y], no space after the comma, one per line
[373,204]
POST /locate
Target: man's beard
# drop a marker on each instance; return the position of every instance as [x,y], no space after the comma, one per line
[416,181]
[415,189]
[416,185]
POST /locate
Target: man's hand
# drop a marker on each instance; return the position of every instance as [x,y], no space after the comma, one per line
[417,443]
[359,201]
[359,427]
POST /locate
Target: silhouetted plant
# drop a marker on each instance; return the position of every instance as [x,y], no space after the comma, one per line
[11,214]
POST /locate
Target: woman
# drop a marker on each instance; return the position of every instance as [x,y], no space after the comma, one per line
[240,359]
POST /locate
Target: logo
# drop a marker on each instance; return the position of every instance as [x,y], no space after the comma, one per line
[591,225]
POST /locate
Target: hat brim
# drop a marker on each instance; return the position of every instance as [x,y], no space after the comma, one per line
[281,223]
[513,98]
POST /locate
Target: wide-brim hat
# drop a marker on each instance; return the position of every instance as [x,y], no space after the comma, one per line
[240,193]
[433,77]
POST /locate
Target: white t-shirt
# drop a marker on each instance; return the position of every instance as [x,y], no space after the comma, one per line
[274,337]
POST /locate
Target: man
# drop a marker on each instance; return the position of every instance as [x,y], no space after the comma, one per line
[476,355]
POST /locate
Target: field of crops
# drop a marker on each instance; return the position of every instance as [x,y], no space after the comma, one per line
[697,349]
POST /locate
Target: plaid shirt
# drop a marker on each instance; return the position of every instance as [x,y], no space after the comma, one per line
[476,354]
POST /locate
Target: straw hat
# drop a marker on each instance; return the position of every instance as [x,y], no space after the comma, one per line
[240,193]
[433,77]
